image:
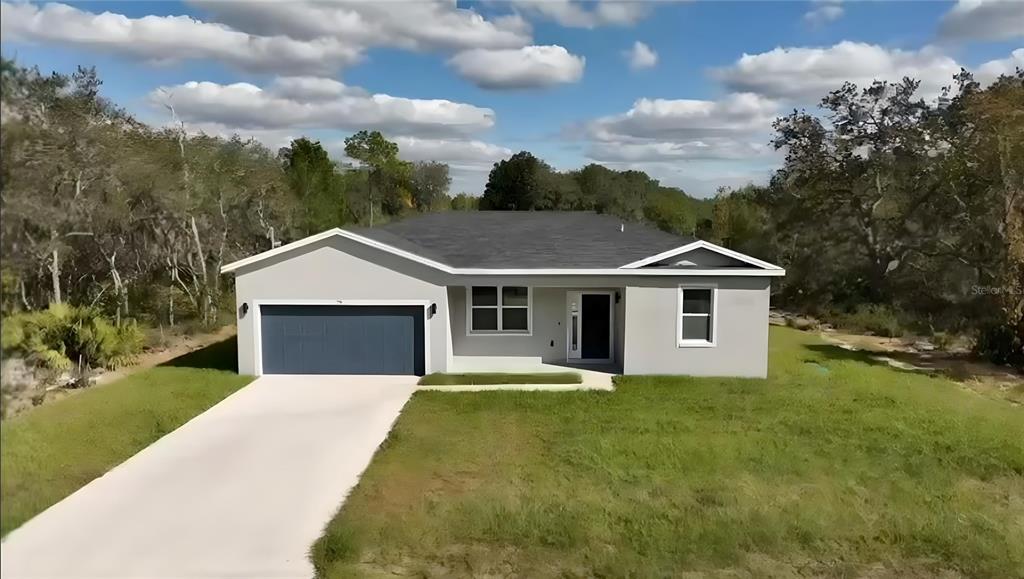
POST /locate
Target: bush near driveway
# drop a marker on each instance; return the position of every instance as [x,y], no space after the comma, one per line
[834,466]
[53,450]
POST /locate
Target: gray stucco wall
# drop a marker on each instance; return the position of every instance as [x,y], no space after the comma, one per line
[651,346]
[645,319]
[339,269]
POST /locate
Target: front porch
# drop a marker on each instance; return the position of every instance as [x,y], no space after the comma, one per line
[506,328]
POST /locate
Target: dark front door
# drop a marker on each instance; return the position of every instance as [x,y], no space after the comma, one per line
[342,339]
[596,335]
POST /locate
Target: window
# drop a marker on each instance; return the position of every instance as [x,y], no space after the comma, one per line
[499,309]
[697,316]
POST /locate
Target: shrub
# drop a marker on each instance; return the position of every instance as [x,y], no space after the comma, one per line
[1002,344]
[62,336]
[877,319]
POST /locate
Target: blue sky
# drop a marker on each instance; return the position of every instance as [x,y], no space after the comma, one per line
[470,83]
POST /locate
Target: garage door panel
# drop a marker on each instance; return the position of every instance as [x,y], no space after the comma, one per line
[342,339]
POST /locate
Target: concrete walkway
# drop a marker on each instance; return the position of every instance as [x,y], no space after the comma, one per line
[242,490]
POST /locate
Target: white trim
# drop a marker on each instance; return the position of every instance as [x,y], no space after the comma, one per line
[337,231]
[628,269]
[257,322]
[680,342]
[498,307]
[568,326]
[701,244]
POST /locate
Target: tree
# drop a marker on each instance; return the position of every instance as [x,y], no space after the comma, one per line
[464,202]
[377,154]
[512,184]
[430,182]
[315,182]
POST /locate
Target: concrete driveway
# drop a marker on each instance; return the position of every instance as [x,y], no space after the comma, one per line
[242,490]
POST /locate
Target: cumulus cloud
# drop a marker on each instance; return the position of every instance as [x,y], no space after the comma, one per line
[655,135]
[171,39]
[808,74]
[463,152]
[527,67]
[284,37]
[641,56]
[824,11]
[993,69]
[420,25]
[704,149]
[577,14]
[687,119]
[292,103]
[984,20]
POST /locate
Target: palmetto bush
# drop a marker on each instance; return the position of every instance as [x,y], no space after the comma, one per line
[64,336]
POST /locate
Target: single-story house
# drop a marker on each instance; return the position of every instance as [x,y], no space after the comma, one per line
[479,290]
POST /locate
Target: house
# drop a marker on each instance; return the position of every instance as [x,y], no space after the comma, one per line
[499,290]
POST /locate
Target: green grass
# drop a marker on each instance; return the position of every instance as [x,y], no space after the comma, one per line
[835,466]
[55,449]
[440,379]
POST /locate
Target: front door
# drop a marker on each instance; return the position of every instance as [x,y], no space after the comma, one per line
[589,328]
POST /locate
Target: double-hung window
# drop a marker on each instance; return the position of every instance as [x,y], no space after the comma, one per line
[696,321]
[499,310]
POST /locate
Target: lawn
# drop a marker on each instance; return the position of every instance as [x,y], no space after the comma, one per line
[835,466]
[55,449]
[476,378]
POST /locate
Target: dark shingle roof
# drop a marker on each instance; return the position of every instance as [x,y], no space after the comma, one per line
[525,239]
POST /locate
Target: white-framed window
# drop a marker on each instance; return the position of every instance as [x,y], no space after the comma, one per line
[696,319]
[498,309]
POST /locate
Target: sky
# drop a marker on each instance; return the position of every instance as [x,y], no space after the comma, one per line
[686,91]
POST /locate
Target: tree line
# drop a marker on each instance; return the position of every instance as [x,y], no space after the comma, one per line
[104,211]
[892,204]
[885,201]
[526,183]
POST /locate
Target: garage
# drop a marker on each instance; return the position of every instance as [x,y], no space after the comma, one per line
[342,339]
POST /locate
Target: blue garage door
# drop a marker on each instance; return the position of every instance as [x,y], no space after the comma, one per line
[342,339]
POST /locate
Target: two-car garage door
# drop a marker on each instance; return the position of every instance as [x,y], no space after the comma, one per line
[329,339]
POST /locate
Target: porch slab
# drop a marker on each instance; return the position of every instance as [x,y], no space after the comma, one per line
[593,377]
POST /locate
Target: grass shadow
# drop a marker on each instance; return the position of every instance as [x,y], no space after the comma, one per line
[836,353]
[221,355]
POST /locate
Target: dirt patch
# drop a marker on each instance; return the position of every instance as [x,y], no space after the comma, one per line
[957,364]
[179,346]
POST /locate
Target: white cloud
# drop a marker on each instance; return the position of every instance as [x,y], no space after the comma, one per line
[694,144]
[283,37]
[684,120]
[527,67]
[984,20]
[703,149]
[641,56]
[574,14]
[420,25]
[823,12]
[807,74]
[452,151]
[306,103]
[992,69]
[171,39]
